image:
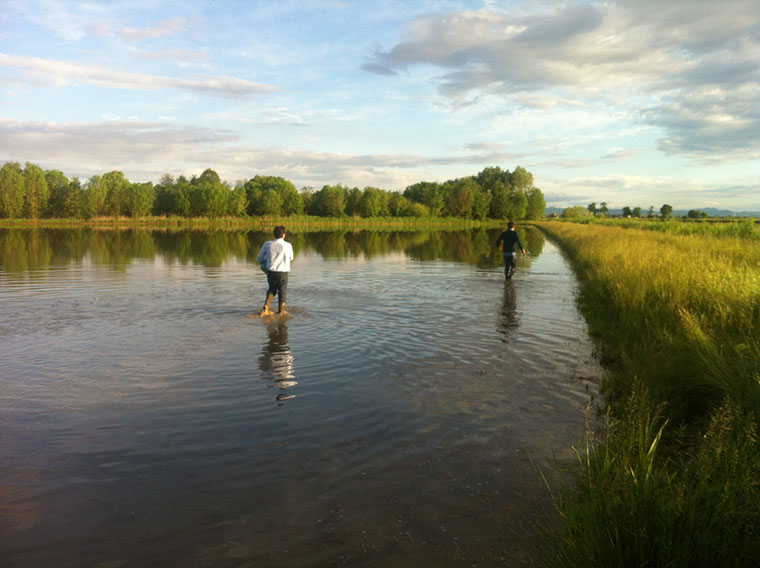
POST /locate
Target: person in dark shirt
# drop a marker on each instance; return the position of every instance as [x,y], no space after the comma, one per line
[508,239]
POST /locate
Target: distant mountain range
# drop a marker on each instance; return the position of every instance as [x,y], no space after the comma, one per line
[711,211]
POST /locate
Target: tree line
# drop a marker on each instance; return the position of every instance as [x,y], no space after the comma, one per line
[31,192]
[665,212]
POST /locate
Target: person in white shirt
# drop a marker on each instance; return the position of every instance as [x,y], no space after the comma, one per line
[275,257]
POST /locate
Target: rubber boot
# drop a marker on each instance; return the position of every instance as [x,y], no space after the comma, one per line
[281,308]
[265,310]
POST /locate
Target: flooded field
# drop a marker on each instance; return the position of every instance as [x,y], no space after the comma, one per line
[396,419]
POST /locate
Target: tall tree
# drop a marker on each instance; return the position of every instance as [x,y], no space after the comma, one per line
[374,203]
[76,205]
[95,193]
[36,191]
[238,201]
[666,210]
[58,184]
[140,199]
[481,202]
[499,208]
[536,204]
[518,206]
[330,201]
[116,188]
[11,190]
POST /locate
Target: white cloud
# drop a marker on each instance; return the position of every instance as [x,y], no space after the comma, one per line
[61,72]
[146,150]
[168,26]
[695,61]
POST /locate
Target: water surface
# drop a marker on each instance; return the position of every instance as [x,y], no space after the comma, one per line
[397,418]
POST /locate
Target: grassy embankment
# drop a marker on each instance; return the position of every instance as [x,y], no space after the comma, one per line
[672,476]
[293,223]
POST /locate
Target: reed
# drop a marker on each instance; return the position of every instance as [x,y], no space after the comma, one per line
[672,478]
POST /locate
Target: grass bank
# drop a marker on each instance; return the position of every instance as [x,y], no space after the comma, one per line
[671,477]
[293,223]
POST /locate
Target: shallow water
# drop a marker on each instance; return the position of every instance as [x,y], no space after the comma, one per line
[397,418]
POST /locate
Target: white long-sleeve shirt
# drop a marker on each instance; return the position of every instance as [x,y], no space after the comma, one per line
[275,256]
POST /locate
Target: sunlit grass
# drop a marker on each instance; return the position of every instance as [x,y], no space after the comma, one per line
[300,222]
[674,479]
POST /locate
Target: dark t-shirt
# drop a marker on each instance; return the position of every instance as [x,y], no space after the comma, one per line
[509,238]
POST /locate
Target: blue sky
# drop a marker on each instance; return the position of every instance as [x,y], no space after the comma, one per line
[630,102]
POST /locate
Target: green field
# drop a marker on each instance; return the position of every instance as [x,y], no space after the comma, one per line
[670,474]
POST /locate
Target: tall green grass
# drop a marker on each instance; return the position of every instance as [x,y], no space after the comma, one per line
[294,222]
[672,478]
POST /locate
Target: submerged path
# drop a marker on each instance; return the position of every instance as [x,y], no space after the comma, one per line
[396,419]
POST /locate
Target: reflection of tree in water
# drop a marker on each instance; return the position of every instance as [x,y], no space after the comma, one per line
[509,319]
[276,360]
[31,249]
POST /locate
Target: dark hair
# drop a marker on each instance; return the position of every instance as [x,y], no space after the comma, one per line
[279,232]
[510,225]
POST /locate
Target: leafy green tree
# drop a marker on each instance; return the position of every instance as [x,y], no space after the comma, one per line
[430,194]
[603,209]
[481,202]
[238,201]
[116,188]
[522,180]
[374,203]
[499,207]
[666,211]
[76,205]
[353,202]
[414,210]
[95,193]
[209,196]
[12,190]
[518,206]
[696,214]
[397,203]
[270,202]
[592,208]
[37,193]
[291,201]
[459,195]
[492,177]
[536,204]
[307,195]
[183,203]
[330,201]
[165,196]
[576,212]
[650,212]
[636,212]
[58,184]
[627,211]
[140,199]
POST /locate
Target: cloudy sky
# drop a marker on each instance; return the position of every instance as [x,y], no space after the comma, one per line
[632,102]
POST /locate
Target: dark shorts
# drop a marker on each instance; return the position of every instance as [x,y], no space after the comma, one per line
[278,284]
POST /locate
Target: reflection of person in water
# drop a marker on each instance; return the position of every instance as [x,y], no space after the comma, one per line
[277,360]
[275,257]
[508,239]
[509,319]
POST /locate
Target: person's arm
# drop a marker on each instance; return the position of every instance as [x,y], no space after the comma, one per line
[262,256]
[290,252]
